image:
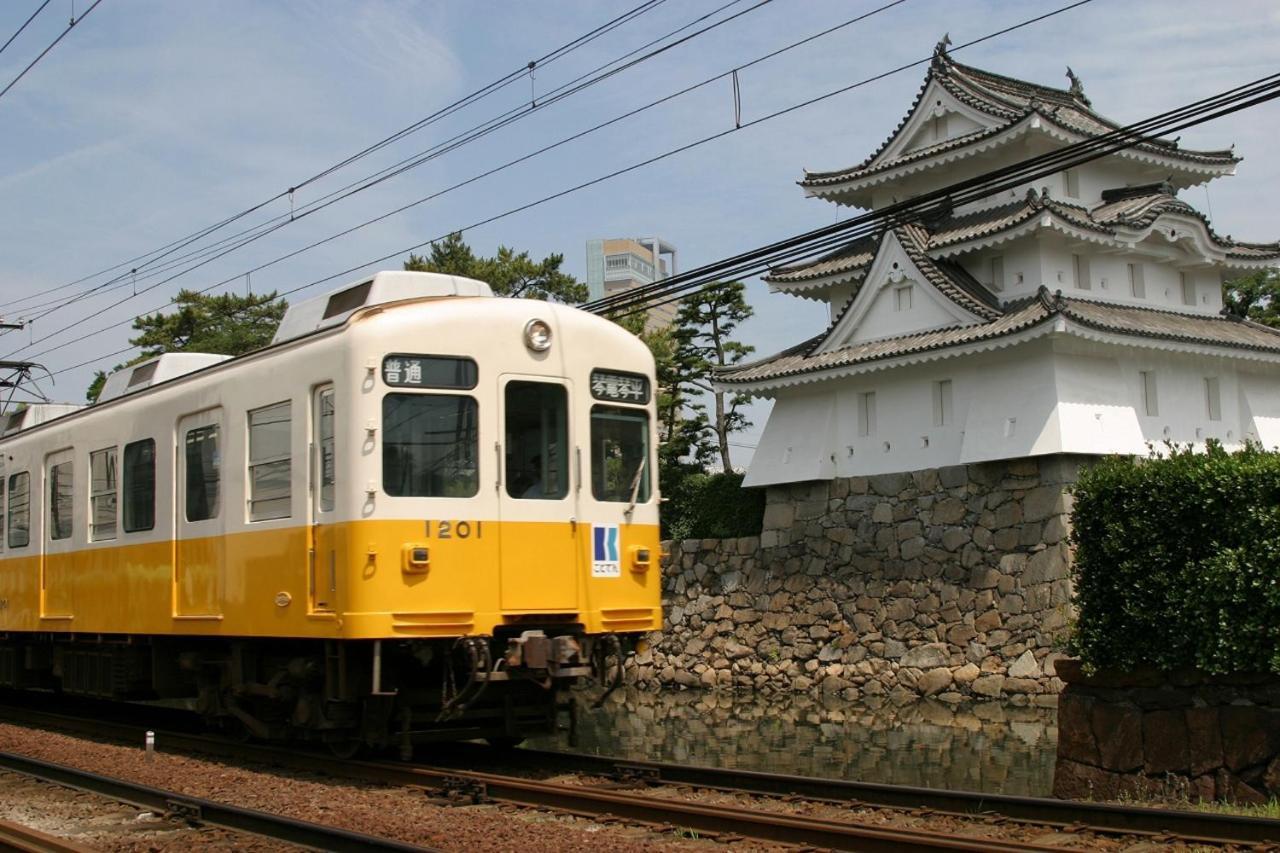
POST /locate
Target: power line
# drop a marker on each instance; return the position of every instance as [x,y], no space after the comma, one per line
[495,170]
[143,260]
[817,242]
[51,46]
[809,243]
[255,233]
[25,24]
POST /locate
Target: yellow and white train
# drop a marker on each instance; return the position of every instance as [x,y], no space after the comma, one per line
[420,513]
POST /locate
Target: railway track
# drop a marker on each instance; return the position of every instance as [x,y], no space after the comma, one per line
[24,839]
[985,817]
[182,807]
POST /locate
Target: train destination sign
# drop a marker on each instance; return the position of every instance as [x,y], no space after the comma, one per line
[428,371]
[619,387]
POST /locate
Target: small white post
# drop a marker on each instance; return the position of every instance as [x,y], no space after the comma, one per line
[151,746]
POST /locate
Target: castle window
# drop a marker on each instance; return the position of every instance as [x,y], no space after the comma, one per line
[902,298]
[1188,289]
[1071,182]
[997,273]
[867,413]
[1150,401]
[1212,398]
[1137,284]
[1080,272]
[942,413]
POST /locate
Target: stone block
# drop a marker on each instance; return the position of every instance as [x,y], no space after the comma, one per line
[889,485]
[984,577]
[1006,539]
[966,674]
[989,685]
[954,537]
[948,511]
[1232,789]
[1075,729]
[1204,740]
[1164,742]
[1048,565]
[960,634]
[883,513]
[1025,666]
[1042,502]
[1021,685]
[900,609]
[1117,730]
[934,681]
[987,621]
[953,476]
[929,656]
[912,548]
[926,480]
[1249,735]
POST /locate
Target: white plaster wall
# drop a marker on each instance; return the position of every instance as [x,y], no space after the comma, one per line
[884,320]
[1057,394]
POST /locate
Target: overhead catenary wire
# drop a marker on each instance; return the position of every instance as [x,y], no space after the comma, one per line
[819,240]
[25,24]
[222,248]
[563,141]
[592,182]
[141,261]
[52,45]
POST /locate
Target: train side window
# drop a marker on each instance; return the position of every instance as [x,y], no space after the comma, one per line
[19,510]
[203,461]
[619,454]
[328,463]
[139,481]
[102,495]
[269,462]
[3,482]
[61,500]
[537,440]
[430,446]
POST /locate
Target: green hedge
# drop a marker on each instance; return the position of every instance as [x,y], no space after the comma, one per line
[711,506]
[1178,562]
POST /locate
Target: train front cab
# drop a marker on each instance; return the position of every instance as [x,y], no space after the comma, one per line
[507,538]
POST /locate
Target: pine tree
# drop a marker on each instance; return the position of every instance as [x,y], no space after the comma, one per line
[509,273]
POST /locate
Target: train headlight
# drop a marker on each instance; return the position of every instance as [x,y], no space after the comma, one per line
[537,335]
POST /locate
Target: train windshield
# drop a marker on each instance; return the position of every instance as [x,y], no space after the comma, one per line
[619,454]
[430,443]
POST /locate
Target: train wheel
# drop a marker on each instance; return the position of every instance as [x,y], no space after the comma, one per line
[345,748]
[504,742]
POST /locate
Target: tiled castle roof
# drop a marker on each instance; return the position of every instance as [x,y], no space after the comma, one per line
[1128,207]
[1137,321]
[1009,101]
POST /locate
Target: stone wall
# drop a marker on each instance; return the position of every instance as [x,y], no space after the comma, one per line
[1181,735]
[948,582]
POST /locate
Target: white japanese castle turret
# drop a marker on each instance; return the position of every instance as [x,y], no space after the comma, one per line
[1082,314]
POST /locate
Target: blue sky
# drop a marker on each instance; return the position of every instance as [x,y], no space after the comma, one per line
[153,119]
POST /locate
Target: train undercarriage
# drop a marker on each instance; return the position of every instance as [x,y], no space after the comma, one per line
[347,694]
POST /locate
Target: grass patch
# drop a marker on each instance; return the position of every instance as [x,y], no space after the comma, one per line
[1270,810]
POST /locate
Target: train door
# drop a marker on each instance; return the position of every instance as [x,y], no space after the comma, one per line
[200,548]
[57,579]
[323,582]
[537,501]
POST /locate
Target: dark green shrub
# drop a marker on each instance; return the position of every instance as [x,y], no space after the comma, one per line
[712,506]
[1178,561]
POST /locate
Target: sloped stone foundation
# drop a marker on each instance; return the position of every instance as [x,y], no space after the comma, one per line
[948,582]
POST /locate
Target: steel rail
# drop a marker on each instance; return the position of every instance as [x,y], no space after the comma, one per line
[1205,827]
[15,836]
[1070,815]
[204,811]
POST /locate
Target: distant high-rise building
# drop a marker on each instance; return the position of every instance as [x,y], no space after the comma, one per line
[614,266]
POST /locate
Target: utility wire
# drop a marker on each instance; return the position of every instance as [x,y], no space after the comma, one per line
[51,46]
[143,260]
[221,249]
[819,241]
[500,168]
[939,201]
[25,24]
[565,192]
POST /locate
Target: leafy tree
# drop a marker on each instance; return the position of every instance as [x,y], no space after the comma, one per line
[1255,296]
[704,341]
[226,324]
[508,273]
